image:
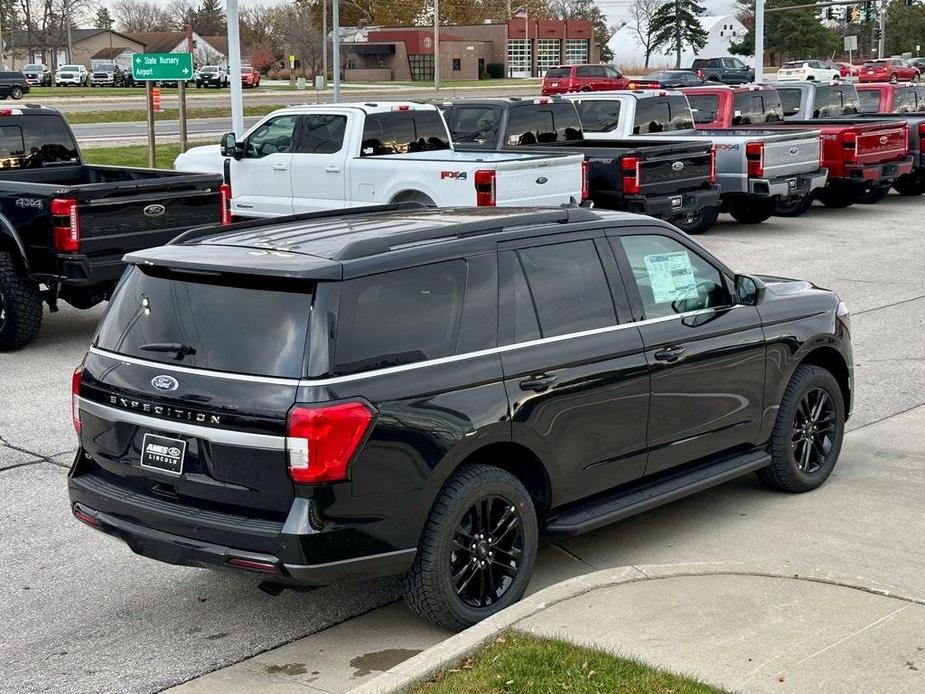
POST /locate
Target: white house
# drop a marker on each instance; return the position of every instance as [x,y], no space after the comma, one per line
[721,31]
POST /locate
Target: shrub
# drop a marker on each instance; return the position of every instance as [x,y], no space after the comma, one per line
[495,70]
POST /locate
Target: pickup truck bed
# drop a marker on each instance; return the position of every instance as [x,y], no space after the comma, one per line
[912,183]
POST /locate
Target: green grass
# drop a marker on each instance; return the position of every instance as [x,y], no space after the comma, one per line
[520,663]
[127,115]
[135,155]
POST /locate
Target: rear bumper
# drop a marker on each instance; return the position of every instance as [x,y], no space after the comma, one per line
[797,185]
[671,206]
[75,270]
[879,174]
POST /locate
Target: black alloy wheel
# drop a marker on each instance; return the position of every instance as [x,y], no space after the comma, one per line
[488,546]
[697,222]
[813,430]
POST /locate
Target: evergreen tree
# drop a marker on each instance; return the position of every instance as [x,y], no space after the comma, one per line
[210,18]
[103,19]
[788,35]
[676,25]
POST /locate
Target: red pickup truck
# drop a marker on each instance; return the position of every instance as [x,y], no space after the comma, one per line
[864,157]
[884,97]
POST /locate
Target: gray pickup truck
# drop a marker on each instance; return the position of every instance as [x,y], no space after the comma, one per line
[755,167]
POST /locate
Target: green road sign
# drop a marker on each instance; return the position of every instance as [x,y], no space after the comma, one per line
[162,66]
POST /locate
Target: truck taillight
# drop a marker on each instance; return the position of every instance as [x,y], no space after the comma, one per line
[754,155]
[321,441]
[849,141]
[585,180]
[485,188]
[65,225]
[629,168]
[75,398]
[224,196]
[922,138]
[712,165]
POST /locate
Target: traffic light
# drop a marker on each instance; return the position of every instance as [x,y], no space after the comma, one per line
[868,11]
[855,15]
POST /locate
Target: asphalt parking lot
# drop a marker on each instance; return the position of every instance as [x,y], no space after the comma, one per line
[81,613]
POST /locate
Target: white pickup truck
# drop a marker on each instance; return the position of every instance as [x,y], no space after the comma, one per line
[321,157]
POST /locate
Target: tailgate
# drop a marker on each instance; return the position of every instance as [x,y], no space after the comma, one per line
[875,145]
[666,170]
[785,155]
[539,181]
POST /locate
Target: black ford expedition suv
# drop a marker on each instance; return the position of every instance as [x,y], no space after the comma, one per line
[426,392]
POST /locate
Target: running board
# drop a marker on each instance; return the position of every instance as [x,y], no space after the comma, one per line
[647,495]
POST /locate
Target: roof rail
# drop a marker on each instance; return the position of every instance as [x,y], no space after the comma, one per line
[210,229]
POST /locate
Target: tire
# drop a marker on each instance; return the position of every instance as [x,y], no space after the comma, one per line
[804,464]
[698,222]
[585,89]
[752,211]
[714,78]
[836,198]
[874,195]
[793,207]
[430,587]
[20,307]
[909,185]
[16,93]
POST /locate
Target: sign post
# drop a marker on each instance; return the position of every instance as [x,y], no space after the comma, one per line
[171,67]
[851,45]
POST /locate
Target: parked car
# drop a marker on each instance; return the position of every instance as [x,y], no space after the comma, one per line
[13,85]
[211,76]
[582,78]
[673,181]
[755,168]
[888,70]
[670,79]
[107,75]
[320,157]
[250,77]
[807,70]
[72,76]
[847,69]
[918,64]
[37,75]
[66,225]
[727,70]
[429,393]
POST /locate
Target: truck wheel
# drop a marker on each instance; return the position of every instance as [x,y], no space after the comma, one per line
[752,211]
[16,93]
[697,222]
[874,195]
[20,307]
[910,185]
[808,433]
[793,207]
[836,198]
[477,550]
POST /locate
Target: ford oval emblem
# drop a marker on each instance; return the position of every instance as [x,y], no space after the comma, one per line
[165,382]
[154,210]
[677,166]
[884,139]
[541,180]
[794,150]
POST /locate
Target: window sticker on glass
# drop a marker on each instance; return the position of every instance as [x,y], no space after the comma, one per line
[671,276]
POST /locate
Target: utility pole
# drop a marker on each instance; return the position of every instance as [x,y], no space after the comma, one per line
[335,19]
[677,36]
[759,40]
[324,39]
[436,44]
[234,67]
[527,39]
[67,21]
[881,46]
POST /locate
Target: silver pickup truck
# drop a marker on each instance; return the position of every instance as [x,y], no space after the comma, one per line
[755,167]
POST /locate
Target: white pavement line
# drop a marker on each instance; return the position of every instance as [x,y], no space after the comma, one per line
[423,666]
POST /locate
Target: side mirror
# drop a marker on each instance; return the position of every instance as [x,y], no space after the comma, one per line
[230,146]
[747,290]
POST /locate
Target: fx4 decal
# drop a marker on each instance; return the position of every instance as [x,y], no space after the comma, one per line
[453,175]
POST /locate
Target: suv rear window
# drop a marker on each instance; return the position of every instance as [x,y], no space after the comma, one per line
[243,328]
[662,114]
[756,107]
[31,142]
[403,132]
[551,123]
[400,317]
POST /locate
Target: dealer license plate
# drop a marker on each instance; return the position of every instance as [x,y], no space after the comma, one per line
[163,454]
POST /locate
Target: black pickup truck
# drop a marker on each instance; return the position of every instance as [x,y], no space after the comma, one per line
[674,181]
[64,225]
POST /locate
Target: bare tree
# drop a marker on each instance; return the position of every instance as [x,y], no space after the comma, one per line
[141,16]
[641,14]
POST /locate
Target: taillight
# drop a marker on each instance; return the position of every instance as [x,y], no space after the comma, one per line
[65,225]
[322,440]
[699,73]
[224,195]
[75,398]
[712,165]
[401,107]
[754,155]
[629,167]
[922,138]
[849,141]
[585,182]
[485,188]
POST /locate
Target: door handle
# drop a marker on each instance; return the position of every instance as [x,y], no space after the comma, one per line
[280,167]
[331,168]
[670,354]
[538,382]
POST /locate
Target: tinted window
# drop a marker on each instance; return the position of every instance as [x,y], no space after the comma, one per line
[321,134]
[598,116]
[836,101]
[756,107]
[568,287]
[402,132]
[704,107]
[242,329]
[662,114]
[532,124]
[526,324]
[35,142]
[671,278]
[790,100]
[558,72]
[584,71]
[793,65]
[612,73]
[477,125]
[400,317]
[904,101]
[272,137]
[869,100]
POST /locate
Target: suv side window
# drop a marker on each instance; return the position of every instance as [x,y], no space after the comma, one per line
[584,71]
[321,134]
[612,73]
[274,136]
[400,317]
[671,278]
[567,287]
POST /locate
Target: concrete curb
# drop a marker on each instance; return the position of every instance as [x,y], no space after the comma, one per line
[448,653]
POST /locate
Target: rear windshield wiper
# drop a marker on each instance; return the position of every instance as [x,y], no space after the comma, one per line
[179,348]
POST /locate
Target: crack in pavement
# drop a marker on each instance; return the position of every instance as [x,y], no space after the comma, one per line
[895,303]
[574,556]
[39,457]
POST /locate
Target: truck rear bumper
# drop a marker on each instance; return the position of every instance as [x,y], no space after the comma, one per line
[83,271]
[797,185]
[671,206]
[879,174]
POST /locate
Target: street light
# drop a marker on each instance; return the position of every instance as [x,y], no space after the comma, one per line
[526,11]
